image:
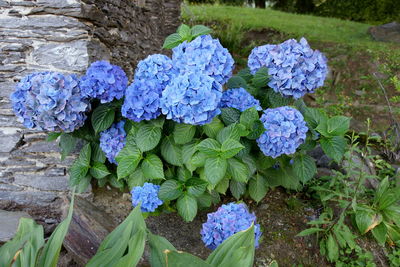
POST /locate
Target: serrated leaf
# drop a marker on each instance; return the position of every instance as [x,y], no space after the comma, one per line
[183,133]
[237,188]
[198,30]
[248,117]
[233,131]
[136,178]
[245,74]
[147,137]
[184,174]
[277,100]
[170,190]
[99,170]
[338,125]
[334,147]
[184,31]
[222,186]
[258,188]
[236,82]
[97,154]
[230,148]
[67,144]
[102,118]
[172,41]
[304,167]
[283,176]
[52,136]
[204,200]
[215,169]
[238,170]
[195,186]
[128,159]
[209,147]
[260,78]
[171,152]
[230,115]
[187,207]
[212,129]
[152,167]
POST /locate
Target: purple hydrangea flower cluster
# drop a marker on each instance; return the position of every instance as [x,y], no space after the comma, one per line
[294,68]
[240,99]
[191,98]
[204,54]
[50,101]
[285,131]
[227,221]
[113,140]
[104,81]
[147,196]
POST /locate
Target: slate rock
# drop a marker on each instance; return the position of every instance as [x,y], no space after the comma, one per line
[9,221]
[389,32]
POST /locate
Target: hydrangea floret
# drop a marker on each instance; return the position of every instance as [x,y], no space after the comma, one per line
[142,100]
[285,131]
[156,67]
[147,196]
[113,140]
[226,221]
[294,69]
[104,81]
[50,101]
[240,99]
[192,98]
[204,54]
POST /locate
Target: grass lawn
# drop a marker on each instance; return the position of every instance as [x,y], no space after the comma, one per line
[312,27]
[353,56]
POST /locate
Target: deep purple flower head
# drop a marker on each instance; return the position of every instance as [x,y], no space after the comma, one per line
[156,67]
[113,140]
[226,221]
[104,81]
[240,99]
[285,131]
[294,69]
[147,195]
[204,54]
[50,101]
[142,100]
[191,98]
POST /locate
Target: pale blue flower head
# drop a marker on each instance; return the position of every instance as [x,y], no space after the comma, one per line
[204,54]
[285,131]
[113,140]
[227,221]
[147,196]
[142,100]
[104,81]
[50,101]
[294,69]
[191,98]
[240,99]
[156,67]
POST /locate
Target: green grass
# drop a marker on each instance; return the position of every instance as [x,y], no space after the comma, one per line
[313,28]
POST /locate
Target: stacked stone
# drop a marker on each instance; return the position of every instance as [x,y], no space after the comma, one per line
[63,36]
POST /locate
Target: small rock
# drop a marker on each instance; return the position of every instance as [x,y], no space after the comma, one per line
[389,32]
[9,221]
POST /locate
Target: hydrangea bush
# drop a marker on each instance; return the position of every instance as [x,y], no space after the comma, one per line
[185,131]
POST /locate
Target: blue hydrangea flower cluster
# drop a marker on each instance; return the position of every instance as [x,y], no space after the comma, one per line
[204,54]
[147,196]
[191,98]
[142,100]
[156,67]
[113,140]
[226,221]
[285,131]
[240,99]
[294,68]
[50,101]
[104,81]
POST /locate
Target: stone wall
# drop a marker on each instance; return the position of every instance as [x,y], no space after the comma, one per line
[65,36]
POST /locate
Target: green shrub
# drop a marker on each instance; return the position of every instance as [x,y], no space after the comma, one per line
[232,2]
[202,1]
